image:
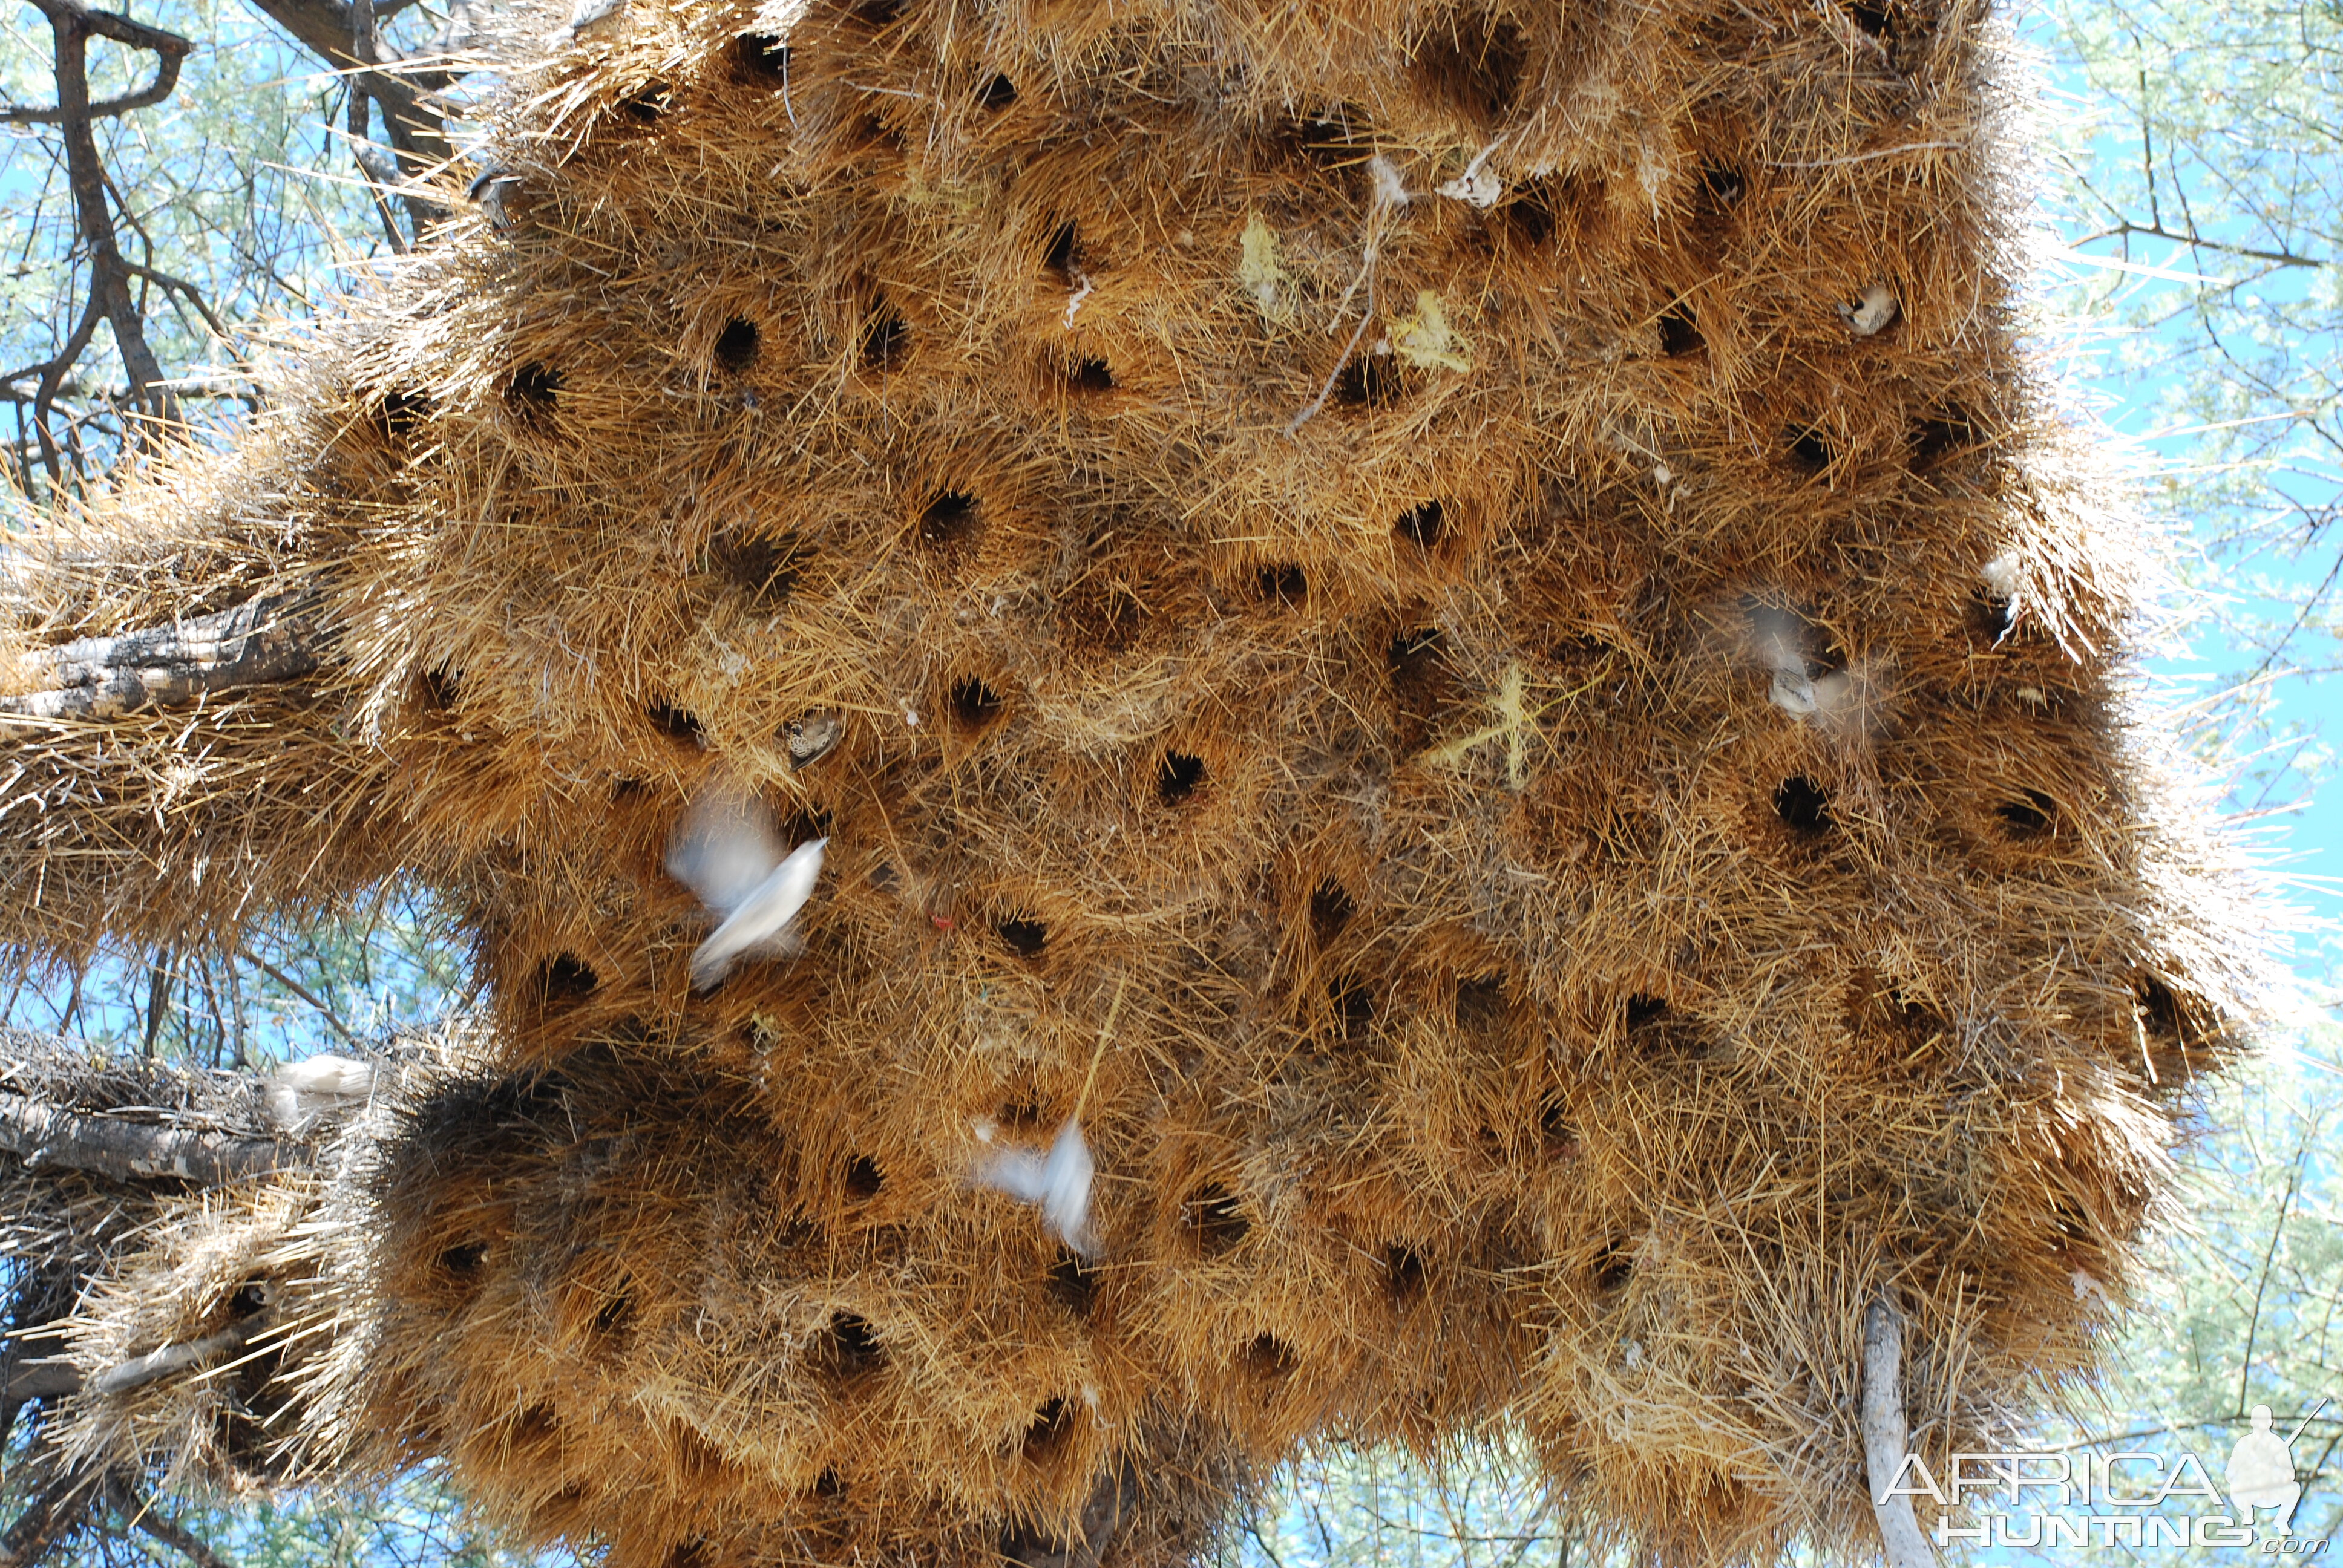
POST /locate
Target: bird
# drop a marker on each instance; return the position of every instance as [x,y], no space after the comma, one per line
[301,1094]
[487,192]
[1872,311]
[1796,691]
[728,850]
[1059,1181]
[591,19]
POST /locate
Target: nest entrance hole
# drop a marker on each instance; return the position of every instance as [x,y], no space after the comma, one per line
[1023,936]
[864,1179]
[1087,377]
[974,705]
[1064,257]
[1342,138]
[765,566]
[1179,777]
[1874,20]
[1403,1273]
[738,343]
[1614,1267]
[1802,806]
[1331,908]
[1555,1128]
[1529,216]
[1283,585]
[2032,815]
[1679,334]
[848,1346]
[612,1319]
[401,412]
[1473,68]
[1052,1427]
[647,105]
[996,95]
[1420,682]
[884,341]
[949,520]
[1941,435]
[761,58]
[441,688]
[1353,1004]
[1481,1003]
[680,725]
[462,1263]
[533,389]
[1810,448]
[1368,381]
[1073,1285]
[1215,1219]
[1424,525]
[1268,1358]
[565,979]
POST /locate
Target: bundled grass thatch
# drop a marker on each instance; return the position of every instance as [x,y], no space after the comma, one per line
[1456,628]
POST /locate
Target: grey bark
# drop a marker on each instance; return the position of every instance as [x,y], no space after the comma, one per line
[265,641]
[1886,1437]
[42,1134]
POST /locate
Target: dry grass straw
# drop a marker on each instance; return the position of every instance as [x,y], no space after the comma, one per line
[1519,1012]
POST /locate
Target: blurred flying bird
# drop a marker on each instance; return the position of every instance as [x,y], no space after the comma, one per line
[1797,690]
[728,850]
[1873,310]
[1059,1181]
[592,19]
[2000,575]
[300,1094]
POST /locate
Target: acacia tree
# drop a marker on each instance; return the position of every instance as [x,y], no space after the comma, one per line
[177,181]
[2206,160]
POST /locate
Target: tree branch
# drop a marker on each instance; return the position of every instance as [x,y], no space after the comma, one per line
[170,1532]
[72,24]
[57,1508]
[2158,231]
[48,1377]
[44,1134]
[263,642]
[1886,1437]
[167,77]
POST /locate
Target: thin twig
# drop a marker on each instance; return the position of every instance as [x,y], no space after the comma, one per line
[297,988]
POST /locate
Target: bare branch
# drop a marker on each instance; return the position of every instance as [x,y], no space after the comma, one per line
[170,1532]
[259,643]
[142,1372]
[2197,241]
[42,1134]
[1885,1436]
[57,1508]
[72,24]
[48,1377]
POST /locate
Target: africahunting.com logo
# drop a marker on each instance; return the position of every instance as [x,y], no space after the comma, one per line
[2132,1501]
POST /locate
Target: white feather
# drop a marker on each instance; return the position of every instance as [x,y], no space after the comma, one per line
[1059,1181]
[761,919]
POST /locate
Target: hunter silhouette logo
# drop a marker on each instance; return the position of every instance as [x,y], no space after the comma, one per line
[2261,1471]
[2134,1499]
